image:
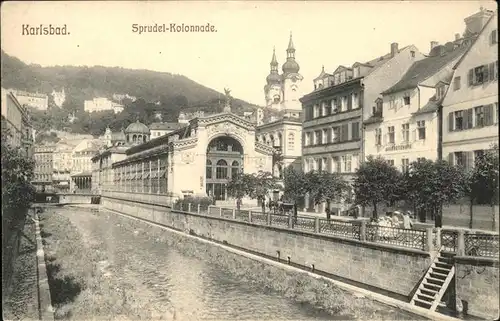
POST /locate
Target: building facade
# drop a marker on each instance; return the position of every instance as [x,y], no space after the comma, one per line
[163,128]
[43,155]
[470,108]
[16,119]
[334,113]
[36,100]
[404,125]
[102,104]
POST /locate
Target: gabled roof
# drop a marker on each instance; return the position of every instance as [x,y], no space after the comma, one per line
[361,64]
[322,74]
[165,126]
[474,41]
[423,69]
[341,68]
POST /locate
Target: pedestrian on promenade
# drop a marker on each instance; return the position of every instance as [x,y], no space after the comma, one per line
[328,214]
[407,223]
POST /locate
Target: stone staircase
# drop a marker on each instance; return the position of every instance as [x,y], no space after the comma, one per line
[434,285]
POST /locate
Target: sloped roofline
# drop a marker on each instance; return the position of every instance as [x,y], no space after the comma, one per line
[474,41]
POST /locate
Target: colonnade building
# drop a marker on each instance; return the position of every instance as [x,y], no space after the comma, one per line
[198,159]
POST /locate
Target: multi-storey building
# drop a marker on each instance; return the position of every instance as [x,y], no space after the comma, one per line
[81,170]
[43,155]
[334,112]
[62,164]
[470,108]
[36,100]
[16,119]
[164,128]
[404,124]
[102,104]
[279,124]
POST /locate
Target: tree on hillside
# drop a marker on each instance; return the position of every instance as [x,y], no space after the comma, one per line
[376,181]
[430,185]
[484,181]
[239,186]
[262,184]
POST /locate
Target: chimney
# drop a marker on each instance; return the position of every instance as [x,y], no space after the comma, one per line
[394,49]
[457,36]
[434,44]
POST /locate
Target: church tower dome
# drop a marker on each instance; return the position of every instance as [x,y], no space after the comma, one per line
[290,66]
[273,77]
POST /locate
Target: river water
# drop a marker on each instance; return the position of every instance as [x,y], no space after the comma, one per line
[186,286]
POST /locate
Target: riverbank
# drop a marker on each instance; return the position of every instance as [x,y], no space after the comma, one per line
[22,300]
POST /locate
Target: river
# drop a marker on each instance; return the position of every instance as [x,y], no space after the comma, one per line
[165,279]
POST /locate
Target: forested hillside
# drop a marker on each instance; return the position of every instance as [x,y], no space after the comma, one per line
[174,92]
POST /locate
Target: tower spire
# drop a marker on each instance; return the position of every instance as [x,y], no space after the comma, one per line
[291,47]
[274,62]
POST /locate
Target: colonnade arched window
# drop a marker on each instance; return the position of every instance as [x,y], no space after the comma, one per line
[224,161]
[221,169]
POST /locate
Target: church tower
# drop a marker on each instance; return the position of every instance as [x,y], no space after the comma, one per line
[291,81]
[281,91]
[272,90]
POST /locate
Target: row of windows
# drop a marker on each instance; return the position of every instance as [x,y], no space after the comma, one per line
[277,141]
[464,159]
[390,138]
[139,184]
[222,169]
[43,177]
[335,164]
[476,117]
[395,102]
[337,134]
[479,75]
[404,165]
[333,106]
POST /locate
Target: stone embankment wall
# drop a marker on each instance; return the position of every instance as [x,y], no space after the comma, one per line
[390,269]
[477,285]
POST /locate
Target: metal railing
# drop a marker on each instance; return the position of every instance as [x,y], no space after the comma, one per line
[397,236]
[479,244]
[356,230]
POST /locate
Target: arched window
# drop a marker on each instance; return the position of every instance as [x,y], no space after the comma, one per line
[134,138]
[235,167]
[221,169]
[271,140]
[276,99]
[291,141]
[209,169]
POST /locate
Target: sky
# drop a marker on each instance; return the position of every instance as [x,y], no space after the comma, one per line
[238,54]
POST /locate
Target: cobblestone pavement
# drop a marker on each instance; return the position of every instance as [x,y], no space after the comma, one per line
[22,303]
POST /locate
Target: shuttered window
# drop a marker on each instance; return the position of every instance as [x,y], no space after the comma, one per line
[450,122]
[488,115]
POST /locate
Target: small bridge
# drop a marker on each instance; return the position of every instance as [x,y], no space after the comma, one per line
[67,198]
